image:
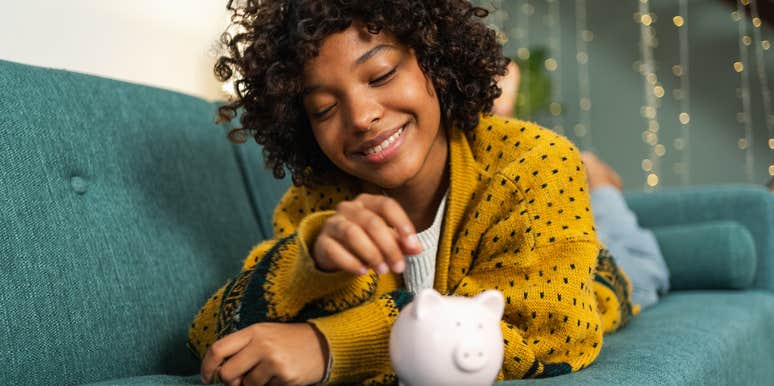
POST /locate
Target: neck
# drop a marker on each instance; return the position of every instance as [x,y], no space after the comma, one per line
[422,194]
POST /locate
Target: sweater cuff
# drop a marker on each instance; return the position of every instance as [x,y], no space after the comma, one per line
[358,342]
[307,232]
[295,279]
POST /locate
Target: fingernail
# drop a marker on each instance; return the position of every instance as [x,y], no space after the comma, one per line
[382,268]
[398,267]
[362,271]
[413,242]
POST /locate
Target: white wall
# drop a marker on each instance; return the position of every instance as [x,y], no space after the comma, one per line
[164,43]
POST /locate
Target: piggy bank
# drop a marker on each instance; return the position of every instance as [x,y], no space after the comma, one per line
[448,340]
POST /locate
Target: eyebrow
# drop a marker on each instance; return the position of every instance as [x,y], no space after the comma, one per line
[373,51]
[362,59]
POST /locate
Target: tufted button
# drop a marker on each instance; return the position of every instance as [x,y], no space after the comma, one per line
[79,185]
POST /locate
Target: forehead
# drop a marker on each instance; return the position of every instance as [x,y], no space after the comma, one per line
[345,49]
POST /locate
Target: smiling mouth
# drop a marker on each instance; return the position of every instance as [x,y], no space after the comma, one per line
[386,143]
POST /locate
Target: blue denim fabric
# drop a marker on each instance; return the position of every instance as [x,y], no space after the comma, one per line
[634,249]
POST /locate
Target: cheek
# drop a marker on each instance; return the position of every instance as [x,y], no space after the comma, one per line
[419,90]
[329,142]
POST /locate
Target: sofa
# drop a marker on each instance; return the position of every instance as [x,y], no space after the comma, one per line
[123,207]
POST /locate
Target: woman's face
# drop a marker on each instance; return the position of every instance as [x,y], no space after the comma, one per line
[372,110]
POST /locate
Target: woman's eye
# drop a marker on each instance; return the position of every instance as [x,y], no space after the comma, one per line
[384,78]
[323,112]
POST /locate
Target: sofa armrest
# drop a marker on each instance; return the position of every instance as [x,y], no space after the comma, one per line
[751,206]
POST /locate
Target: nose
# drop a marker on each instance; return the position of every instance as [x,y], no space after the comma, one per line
[470,356]
[364,112]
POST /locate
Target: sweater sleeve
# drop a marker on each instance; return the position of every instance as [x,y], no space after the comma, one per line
[279,281]
[358,339]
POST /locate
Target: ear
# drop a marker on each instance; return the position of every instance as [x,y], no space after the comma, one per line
[492,301]
[427,302]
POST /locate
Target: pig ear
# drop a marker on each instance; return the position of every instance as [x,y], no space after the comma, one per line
[426,303]
[492,301]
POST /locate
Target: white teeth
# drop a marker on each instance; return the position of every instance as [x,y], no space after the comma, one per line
[384,144]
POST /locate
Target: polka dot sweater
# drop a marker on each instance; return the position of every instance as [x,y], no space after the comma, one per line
[517,220]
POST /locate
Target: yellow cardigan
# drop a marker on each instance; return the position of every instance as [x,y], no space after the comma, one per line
[517,220]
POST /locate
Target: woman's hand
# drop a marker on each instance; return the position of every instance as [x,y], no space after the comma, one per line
[370,231]
[267,354]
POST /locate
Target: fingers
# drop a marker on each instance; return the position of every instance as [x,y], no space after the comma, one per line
[236,382]
[368,232]
[386,239]
[332,256]
[259,376]
[220,350]
[236,366]
[394,216]
[352,230]
[384,247]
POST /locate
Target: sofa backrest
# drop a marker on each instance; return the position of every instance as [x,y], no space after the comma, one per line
[122,208]
[265,191]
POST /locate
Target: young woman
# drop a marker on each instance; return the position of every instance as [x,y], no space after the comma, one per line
[376,110]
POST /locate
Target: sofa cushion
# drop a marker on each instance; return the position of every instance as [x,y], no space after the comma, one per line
[152,380]
[711,255]
[121,210]
[689,338]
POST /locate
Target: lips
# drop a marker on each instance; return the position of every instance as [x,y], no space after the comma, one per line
[379,142]
[386,143]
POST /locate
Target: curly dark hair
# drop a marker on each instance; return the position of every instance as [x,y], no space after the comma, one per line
[458,53]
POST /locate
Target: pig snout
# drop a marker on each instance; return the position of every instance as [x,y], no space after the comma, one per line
[470,356]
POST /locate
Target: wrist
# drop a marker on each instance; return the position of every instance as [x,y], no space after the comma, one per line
[323,348]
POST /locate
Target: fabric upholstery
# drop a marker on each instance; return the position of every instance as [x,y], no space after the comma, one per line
[121,210]
[712,255]
[264,190]
[690,338]
[152,380]
[751,206]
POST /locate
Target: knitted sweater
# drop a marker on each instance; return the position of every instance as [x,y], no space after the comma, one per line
[517,220]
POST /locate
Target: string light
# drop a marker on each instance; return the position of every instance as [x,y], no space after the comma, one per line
[762,78]
[553,22]
[525,11]
[681,144]
[583,37]
[648,41]
[744,143]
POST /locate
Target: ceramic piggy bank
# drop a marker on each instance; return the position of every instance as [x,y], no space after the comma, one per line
[448,340]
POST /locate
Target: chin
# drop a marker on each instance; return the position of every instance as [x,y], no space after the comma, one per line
[389,180]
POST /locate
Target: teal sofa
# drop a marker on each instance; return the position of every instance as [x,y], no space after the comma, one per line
[123,207]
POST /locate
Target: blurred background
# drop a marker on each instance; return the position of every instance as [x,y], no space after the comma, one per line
[669,92]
